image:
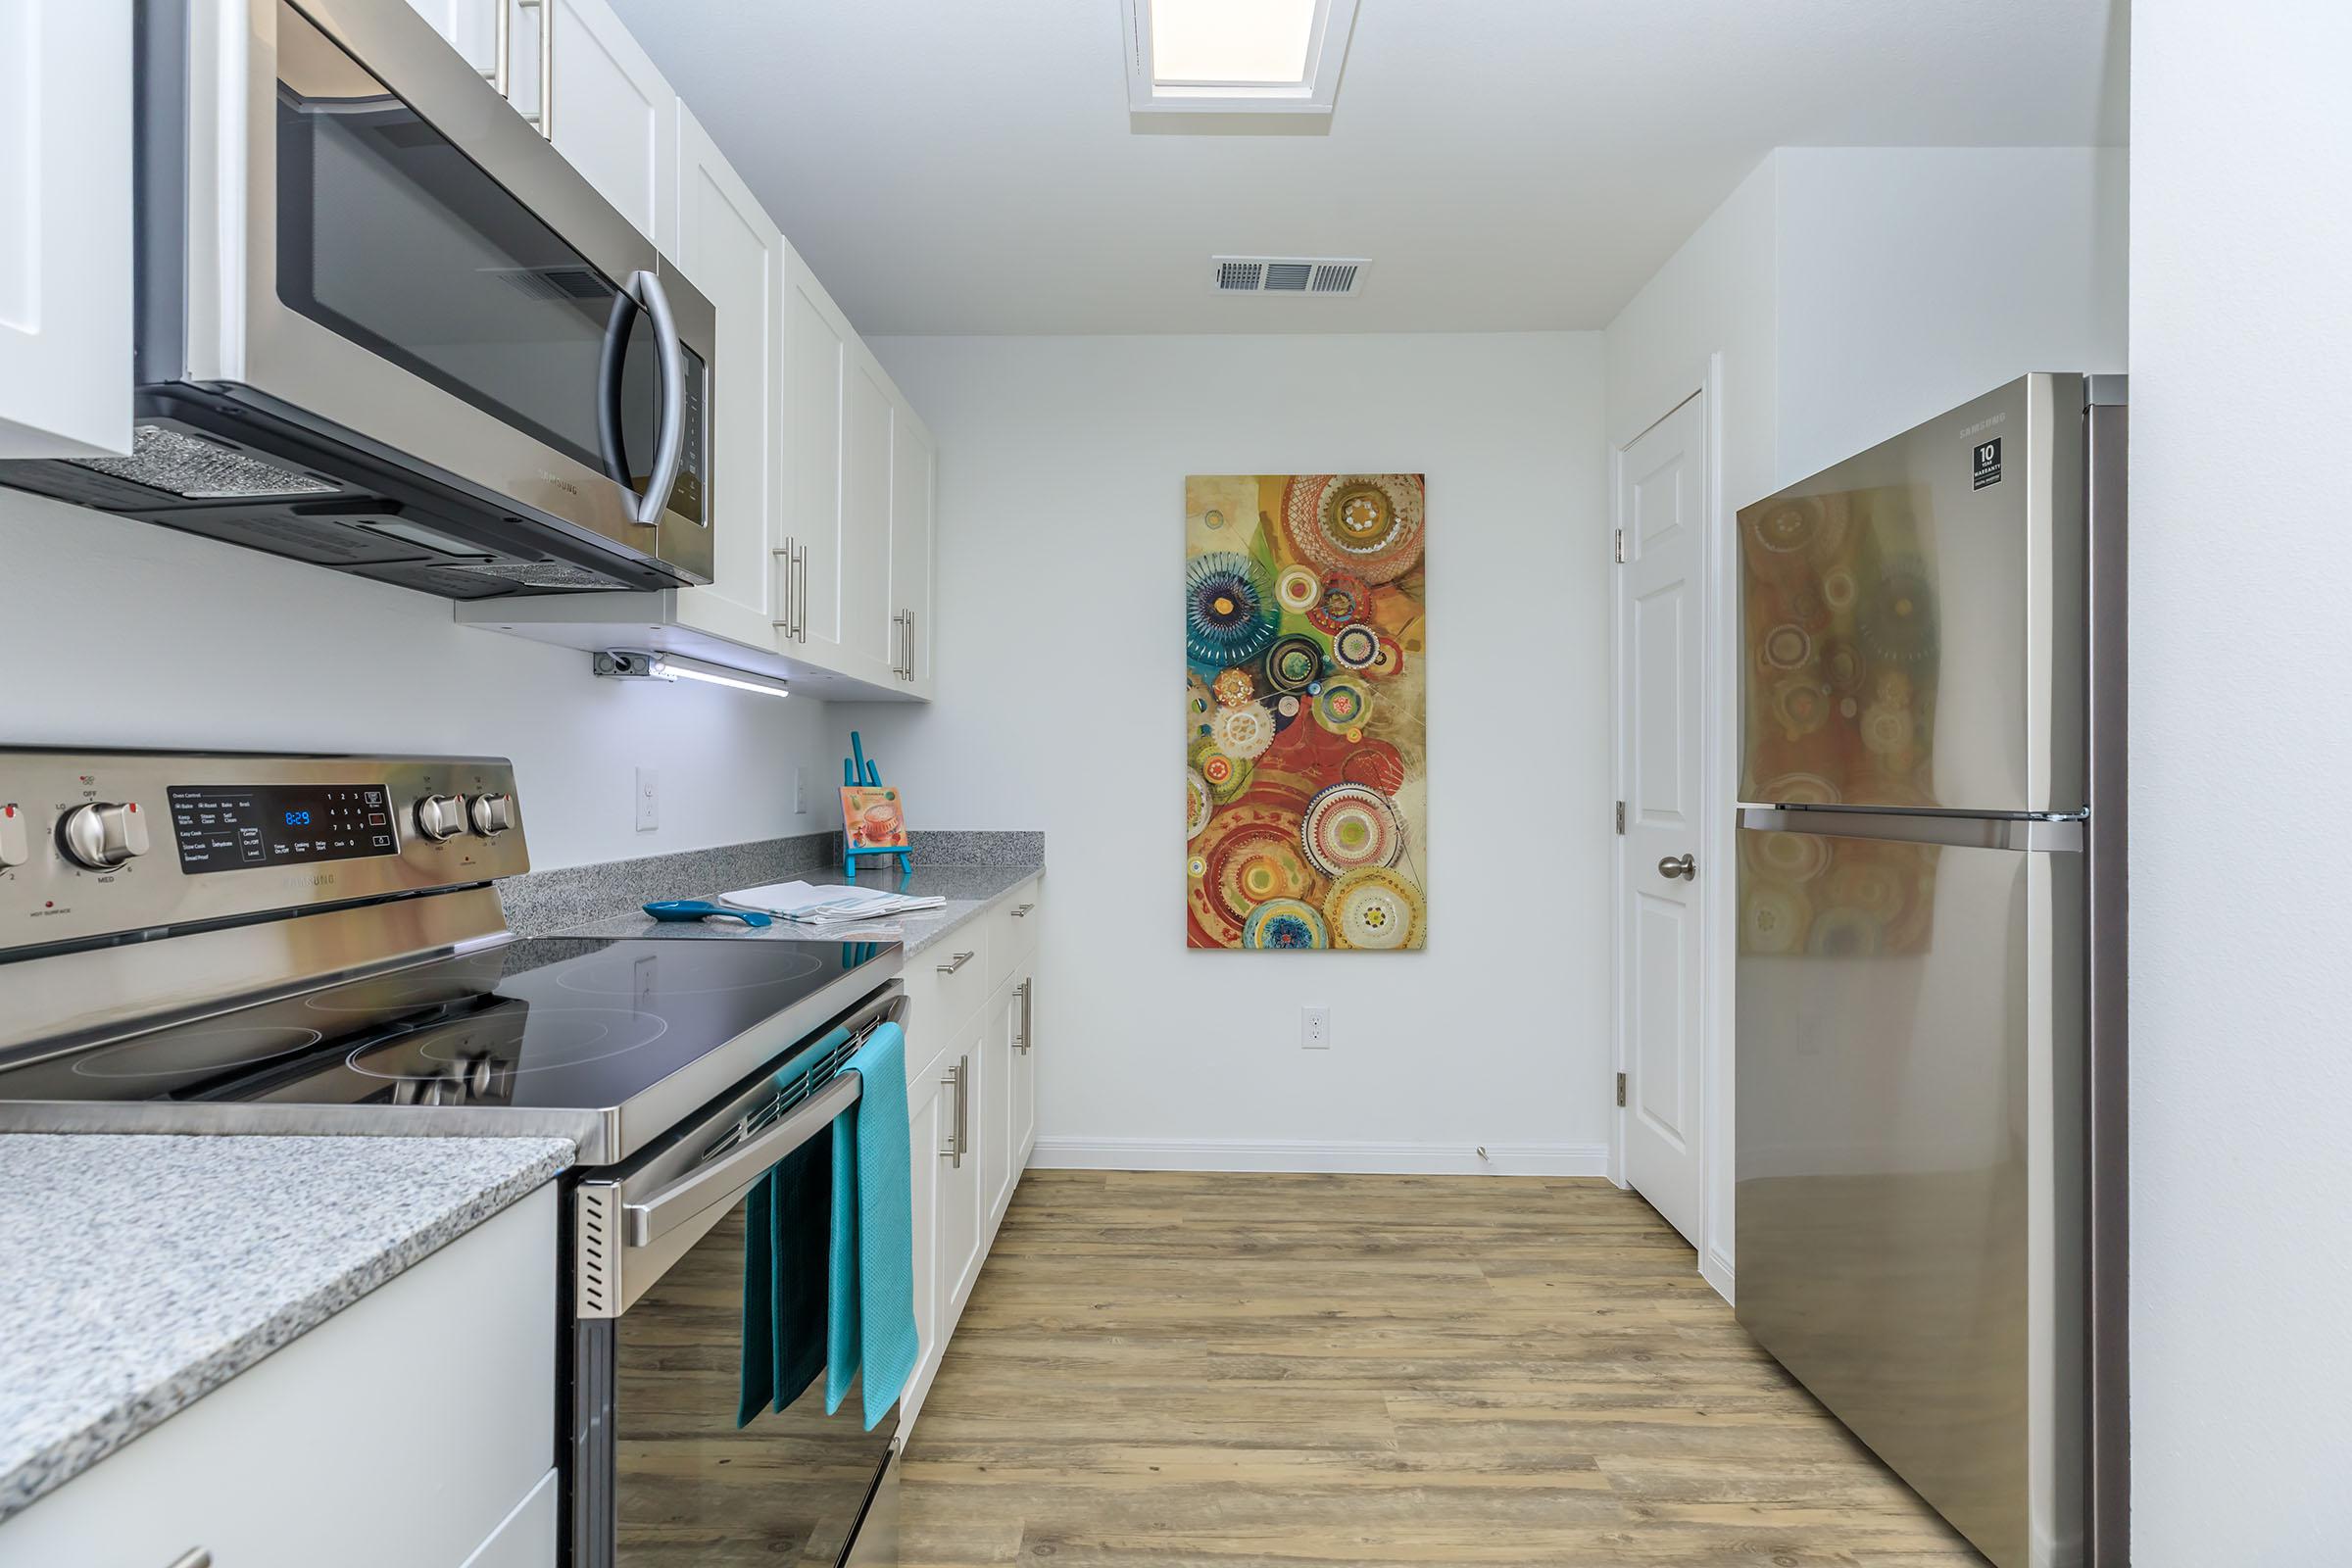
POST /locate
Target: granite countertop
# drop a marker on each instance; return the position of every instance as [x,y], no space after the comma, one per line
[144,1272]
[968,890]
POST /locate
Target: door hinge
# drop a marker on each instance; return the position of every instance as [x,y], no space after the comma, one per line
[1620,817]
[1621,1089]
[1620,547]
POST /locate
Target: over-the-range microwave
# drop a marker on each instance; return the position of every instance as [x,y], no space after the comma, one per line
[383,326]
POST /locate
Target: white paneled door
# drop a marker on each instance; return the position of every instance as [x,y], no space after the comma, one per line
[1661,496]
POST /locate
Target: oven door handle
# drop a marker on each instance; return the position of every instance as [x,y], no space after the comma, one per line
[669,445]
[728,1178]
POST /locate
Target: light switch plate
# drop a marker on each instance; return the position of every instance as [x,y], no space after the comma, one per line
[649,798]
[799,789]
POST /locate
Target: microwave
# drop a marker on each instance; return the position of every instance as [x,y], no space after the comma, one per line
[382,326]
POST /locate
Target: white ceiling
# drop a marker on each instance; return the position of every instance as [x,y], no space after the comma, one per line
[969,165]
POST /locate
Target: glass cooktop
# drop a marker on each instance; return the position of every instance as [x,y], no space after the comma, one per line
[586,1023]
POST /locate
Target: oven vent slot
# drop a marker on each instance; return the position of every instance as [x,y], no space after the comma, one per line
[594,1250]
[556,283]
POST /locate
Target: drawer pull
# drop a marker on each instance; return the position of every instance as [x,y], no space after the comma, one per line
[1022,913]
[955,964]
[194,1557]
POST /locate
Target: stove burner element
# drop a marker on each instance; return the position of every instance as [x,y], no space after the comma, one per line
[540,1039]
[181,1051]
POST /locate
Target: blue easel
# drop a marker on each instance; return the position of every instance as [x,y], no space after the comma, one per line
[856,771]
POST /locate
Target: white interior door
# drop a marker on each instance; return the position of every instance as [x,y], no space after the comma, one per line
[1660,504]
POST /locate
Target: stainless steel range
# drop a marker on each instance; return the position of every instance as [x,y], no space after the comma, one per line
[278,943]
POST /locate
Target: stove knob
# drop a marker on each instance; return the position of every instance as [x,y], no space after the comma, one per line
[440,817]
[102,835]
[16,843]
[491,814]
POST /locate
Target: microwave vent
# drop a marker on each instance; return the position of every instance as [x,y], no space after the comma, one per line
[197,469]
[1325,277]
[557,282]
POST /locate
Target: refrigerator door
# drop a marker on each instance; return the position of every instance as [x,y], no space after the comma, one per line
[1910,1016]
[1913,619]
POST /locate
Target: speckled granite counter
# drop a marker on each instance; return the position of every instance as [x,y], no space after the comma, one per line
[143,1272]
[968,890]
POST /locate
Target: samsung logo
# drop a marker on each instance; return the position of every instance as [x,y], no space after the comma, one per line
[1987,424]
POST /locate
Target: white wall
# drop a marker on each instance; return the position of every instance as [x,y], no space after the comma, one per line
[1849,293]
[1912,279]
[1061,492]
[119,633]
[2241,785]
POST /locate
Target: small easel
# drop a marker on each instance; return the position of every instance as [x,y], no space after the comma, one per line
[856,771]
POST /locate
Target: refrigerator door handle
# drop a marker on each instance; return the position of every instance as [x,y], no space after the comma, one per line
[2039,835]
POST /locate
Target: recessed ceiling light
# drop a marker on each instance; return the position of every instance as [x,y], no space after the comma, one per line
[1236,56]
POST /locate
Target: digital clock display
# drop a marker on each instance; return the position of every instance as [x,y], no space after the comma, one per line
[235,827]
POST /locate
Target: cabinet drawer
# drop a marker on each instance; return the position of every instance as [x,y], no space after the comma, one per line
[957,969]
[287,1466]
[1013,930]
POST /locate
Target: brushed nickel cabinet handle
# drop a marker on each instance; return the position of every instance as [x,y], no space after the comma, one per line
[1020,1036]
[955,964]
[544,122]
[502,49]
[194,1557]
[1022,913]
[959,1079]
[788,591]
[1682,866]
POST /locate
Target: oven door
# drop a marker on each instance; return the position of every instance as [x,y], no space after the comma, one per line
[378,246]
[657,1472]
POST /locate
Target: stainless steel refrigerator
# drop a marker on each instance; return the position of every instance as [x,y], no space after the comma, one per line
[1930,957]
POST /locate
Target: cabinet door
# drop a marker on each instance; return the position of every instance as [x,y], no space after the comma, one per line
[64,229]
[611,113]
[869,644]
[729,250]
[960,1190]
[995,1141]
[913,461]
[816,351]
[1021,1087]
[470,25]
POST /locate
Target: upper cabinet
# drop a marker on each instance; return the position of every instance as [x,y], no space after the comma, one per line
[731,250]
[913,467]
[570,68]
[610,113]
[64,230]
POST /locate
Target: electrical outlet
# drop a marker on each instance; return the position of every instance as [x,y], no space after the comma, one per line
[1314,1028]
[649,800]
[799,789]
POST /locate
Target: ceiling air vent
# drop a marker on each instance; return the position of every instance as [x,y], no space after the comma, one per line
[1328,276]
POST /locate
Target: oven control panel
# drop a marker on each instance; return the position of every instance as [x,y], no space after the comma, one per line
[99,844]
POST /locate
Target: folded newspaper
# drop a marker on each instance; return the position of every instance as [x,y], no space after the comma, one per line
[827,905]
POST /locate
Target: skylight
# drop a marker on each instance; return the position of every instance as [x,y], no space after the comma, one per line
[1236,56]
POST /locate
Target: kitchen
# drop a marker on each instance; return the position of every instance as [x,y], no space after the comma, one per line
[923,490]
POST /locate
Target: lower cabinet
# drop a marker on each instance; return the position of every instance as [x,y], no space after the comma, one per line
[972,1108]
[289,1464]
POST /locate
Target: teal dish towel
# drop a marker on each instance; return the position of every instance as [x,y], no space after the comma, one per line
[787,1253]
[873,1234]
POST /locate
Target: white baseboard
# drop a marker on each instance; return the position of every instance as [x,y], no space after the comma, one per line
[1716,1270]
[1333,1159]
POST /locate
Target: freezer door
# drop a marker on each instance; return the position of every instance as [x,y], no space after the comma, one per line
[1910,1023]
[1913,619]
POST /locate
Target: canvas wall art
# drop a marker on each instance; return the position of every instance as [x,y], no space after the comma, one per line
[1306,769]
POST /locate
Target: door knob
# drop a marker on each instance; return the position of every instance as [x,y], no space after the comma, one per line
[1682,866]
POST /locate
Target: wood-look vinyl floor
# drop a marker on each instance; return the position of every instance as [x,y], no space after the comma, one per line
[1171,1370]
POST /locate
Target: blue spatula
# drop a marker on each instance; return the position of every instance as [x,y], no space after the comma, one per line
[702,909]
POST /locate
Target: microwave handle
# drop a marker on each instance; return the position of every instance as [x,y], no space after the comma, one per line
[670,444]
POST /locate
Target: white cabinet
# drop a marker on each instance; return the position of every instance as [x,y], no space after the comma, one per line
[610,113]
[730,250]
[969,1048]
[913,463]
[866,436]
[64,229]
[471,26]
[370,1441]
[817,352]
